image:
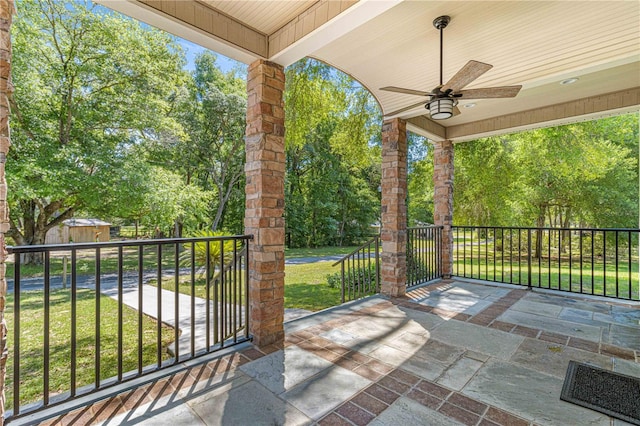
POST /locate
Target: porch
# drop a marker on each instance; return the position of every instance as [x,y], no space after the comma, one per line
[452,352]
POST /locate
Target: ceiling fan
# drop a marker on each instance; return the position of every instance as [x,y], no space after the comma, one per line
[443,99]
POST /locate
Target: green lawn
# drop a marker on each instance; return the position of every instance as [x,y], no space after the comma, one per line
[513,268]
[305,286]
[318,252]
[86,264]
[86,261]
[32,342]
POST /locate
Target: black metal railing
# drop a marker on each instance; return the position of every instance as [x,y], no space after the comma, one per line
[424,263]
[601,262]
[92,315]
[360,271]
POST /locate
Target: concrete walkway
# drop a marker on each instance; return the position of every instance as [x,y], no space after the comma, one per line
[131,286]
[453,353]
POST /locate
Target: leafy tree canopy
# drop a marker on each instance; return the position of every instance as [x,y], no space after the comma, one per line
[92,86]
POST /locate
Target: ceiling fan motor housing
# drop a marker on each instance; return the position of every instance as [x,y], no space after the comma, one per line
[441,22]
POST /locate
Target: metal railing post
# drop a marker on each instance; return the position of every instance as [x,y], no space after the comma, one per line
[529,258]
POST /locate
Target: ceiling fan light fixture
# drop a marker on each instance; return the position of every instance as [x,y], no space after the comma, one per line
[441,109]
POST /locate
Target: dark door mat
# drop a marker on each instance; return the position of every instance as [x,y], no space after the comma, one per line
[614,394]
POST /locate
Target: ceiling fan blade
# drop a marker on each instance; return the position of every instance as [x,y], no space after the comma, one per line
[490,92]
[407,108]
[466,74]
[456,111]
[405,91]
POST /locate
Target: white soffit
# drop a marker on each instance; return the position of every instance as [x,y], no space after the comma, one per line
[535,44]
[266,16]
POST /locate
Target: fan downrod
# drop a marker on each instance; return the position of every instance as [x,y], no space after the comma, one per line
[441,22]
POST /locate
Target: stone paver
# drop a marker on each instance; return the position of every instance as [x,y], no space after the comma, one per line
[532,394]
[383,363]
[537,308]
[407,412]
[326,391]
[583,331]
[282,370]
[480,339]
[554,359]
[248,404]
[460,373]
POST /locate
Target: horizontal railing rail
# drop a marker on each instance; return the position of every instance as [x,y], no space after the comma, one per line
[87,316]
[602,262]
[424,262]
[360,271]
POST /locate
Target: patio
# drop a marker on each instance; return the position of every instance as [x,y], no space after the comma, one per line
[453,352]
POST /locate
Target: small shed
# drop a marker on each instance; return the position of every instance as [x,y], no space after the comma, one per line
[79,231]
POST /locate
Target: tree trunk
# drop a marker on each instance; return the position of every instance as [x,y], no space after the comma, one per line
[177,228]
[539,235]
[37,220]
[565,234]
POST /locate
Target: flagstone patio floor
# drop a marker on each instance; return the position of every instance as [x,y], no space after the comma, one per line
[449,353]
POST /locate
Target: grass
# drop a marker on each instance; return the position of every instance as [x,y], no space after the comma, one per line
[292,253]
[550,273]
[109,260]
[31,357]
[305,286]
[86,264]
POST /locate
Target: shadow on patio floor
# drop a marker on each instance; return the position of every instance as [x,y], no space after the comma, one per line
[447,354]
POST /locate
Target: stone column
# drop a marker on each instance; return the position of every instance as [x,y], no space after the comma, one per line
[264,191]
[6,12]
[443,200]
[394,208]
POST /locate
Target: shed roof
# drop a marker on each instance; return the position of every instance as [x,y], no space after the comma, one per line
[85,222]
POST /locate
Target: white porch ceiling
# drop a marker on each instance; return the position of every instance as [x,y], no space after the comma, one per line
[264,16]
[381,43]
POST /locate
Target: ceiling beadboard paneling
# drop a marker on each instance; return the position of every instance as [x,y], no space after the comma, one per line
[535,44]
[265,16]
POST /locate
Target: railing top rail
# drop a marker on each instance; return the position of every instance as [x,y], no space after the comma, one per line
[128,243]
[534,228]
[426,227]
[368,243]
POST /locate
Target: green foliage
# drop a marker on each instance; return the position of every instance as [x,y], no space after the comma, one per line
[358,282]
[419,181]
[92,87]
[215,249]
[333,157]
[209,153]
[583,174]
[169,199]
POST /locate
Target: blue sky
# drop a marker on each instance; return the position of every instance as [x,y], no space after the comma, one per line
[192,50]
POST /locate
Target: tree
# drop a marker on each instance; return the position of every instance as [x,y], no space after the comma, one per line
[91,85]
[580,174]
[170,200]
[209,152]
[333,157]
[419,180]
[483,183]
